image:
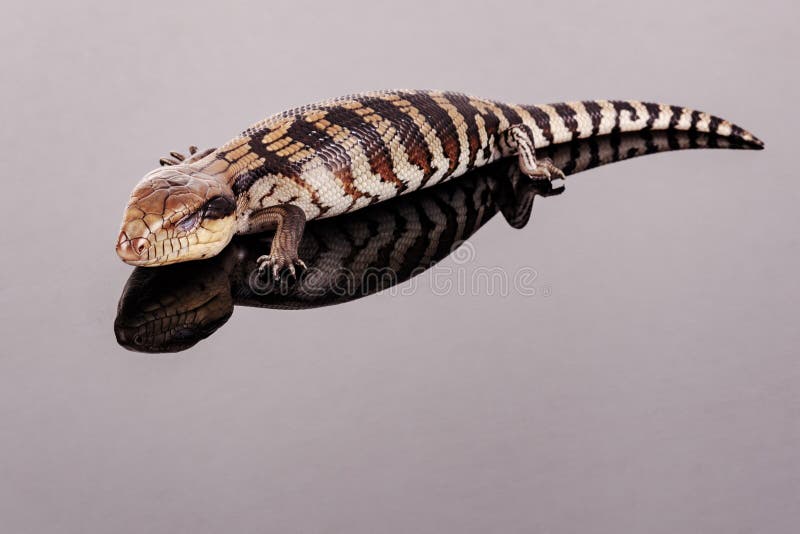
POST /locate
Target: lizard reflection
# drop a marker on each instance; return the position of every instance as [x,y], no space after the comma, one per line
[171,308]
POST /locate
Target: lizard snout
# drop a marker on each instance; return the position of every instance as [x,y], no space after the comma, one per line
[131,250]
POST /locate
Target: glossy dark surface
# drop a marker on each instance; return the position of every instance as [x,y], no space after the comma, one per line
[650,384]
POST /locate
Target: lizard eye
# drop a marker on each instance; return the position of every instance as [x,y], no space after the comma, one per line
[188,223]
[219,207]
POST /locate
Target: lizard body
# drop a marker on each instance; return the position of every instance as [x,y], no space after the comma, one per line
[342,155]
[360,253]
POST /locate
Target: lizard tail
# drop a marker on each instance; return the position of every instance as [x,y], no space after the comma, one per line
[560,123]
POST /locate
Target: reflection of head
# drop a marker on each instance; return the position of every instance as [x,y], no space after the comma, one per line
[169,309]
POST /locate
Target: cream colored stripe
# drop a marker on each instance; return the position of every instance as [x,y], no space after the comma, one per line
[409,174]
[643,114]
[363,178]
[461,131]
[439,161]
[486,107]
[664,115]
[608,116]
[703,122]
[685,120]
[626,122]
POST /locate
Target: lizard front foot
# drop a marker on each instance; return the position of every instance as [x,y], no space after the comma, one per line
[278,263]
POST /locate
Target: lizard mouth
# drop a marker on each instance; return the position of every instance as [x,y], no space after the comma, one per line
[150,251]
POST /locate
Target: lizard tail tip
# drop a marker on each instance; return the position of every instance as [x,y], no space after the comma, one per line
[751,141]
[747,139]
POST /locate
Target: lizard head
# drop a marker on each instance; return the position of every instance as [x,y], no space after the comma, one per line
[176,214]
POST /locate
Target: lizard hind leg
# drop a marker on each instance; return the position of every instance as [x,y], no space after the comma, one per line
[520,138]
[515,192]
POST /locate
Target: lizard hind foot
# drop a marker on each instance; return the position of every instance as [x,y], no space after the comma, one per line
[520,138]
[542,169]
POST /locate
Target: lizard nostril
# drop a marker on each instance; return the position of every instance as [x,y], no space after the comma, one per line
[139,245]
[132,250]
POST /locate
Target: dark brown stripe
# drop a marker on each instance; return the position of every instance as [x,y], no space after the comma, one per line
[492,126]
[345,176]
[300,131]
[619,107]
[677,111]
[693,133]
[410,136]
[267,193]
[468,111]
[371,142]
[542,120]
[713,124]
[653,111]
[569,116]
[695,119]
[442,125]
[595,112]
[511,115]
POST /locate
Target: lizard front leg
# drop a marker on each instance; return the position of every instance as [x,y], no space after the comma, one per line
[288,221]
[520,138]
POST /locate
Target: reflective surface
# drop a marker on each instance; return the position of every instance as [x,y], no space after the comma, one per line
[643,378]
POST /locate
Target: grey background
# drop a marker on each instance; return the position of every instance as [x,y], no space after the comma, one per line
[654,390]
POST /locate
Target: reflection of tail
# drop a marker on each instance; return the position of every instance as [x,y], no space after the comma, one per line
[586,154]
[561,123]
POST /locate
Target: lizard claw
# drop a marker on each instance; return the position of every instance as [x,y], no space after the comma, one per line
[279,264]
[178,158]
[545,169]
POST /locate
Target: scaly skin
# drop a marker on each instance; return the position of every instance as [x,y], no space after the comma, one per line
[342,155]
[171,309]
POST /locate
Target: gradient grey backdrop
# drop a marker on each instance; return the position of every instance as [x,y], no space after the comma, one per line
[655,390]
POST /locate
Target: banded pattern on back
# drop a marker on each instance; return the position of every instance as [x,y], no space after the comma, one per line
[344,154]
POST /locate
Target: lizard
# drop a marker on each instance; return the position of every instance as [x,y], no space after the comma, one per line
[361,253]
[344,154]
